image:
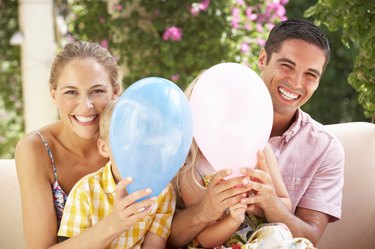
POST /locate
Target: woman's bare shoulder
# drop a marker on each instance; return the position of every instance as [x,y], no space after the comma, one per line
[31,149]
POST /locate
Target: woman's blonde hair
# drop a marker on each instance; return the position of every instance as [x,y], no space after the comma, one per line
[84,50]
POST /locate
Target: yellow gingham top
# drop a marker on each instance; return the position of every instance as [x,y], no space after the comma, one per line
[92,198]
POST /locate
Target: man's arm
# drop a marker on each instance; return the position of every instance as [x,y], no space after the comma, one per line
[305,223]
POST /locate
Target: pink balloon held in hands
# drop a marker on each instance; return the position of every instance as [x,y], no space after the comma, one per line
[232,116]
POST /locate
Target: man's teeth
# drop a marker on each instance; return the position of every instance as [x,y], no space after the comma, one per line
[288,95]
[85,119]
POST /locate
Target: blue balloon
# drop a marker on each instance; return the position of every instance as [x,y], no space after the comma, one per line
[151,133]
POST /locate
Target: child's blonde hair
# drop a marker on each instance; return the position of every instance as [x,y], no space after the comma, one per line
[105,120]
[189,167]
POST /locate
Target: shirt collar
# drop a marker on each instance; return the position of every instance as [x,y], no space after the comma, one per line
[108,182]
[296,125]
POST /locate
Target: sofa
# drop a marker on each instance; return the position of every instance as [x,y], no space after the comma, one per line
[355,230]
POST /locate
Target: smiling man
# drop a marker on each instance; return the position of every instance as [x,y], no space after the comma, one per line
[310,159]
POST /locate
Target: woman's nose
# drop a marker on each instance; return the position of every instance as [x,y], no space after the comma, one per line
[87,102]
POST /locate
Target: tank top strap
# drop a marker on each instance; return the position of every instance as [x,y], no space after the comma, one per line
[49,154]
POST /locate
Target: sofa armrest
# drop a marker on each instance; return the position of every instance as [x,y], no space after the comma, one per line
[11,228]
[356,228]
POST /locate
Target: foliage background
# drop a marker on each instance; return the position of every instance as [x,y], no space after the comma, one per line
[355,19]
[202,33]
[11,119]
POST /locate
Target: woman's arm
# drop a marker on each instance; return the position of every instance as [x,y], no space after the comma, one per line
[39,215]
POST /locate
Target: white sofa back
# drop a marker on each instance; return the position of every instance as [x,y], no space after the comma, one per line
[355,230]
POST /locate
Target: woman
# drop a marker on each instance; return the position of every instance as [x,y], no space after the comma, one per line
[83,80]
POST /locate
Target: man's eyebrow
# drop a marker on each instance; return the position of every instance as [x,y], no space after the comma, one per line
[287,61]
[312,70]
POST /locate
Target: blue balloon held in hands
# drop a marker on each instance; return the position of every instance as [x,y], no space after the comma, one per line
[151,133]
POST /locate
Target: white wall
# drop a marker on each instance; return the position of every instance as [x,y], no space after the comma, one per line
[37,53]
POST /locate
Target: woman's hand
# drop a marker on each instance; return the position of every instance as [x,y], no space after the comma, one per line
[126,210]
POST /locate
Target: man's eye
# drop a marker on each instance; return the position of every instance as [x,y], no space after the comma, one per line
[286,66]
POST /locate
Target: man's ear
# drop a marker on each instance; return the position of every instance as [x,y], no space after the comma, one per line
[262,59]
[103,148]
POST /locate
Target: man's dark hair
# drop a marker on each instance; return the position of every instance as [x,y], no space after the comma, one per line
[297,29]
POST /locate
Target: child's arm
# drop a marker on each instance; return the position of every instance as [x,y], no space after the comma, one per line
[84,234]
[278,182]
[266,177]
[158,232]
[219,232]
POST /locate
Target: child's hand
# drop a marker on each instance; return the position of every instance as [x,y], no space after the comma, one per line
[126,210]
[237,213]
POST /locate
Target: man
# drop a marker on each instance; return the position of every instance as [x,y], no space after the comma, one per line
[310,159]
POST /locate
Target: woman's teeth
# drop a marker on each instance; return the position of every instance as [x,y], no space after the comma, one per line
[85,119]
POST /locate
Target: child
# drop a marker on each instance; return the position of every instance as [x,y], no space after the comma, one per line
[102,196]
[235,227]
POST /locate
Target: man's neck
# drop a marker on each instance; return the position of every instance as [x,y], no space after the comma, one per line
[281,123]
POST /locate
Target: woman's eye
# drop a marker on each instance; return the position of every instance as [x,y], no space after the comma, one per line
[98,91]
[71,92]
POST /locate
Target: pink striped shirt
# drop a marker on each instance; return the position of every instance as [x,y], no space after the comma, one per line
[311,162]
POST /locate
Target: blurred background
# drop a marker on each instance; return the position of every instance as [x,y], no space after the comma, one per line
[177,40]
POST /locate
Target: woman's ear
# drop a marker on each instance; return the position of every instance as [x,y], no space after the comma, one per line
[103,148]
[262,59]
[53,95]
[116,92]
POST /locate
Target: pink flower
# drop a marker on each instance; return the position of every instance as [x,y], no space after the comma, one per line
[175,77]
[250,15]
[104,43]
[260,42]
[195,8]
[259,27]
[283,2]
[204,5]
[244,47]
[270,26]
[172,33]
[117,7]
[240,2]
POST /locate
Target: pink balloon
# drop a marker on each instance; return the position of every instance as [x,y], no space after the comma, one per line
[232,116]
